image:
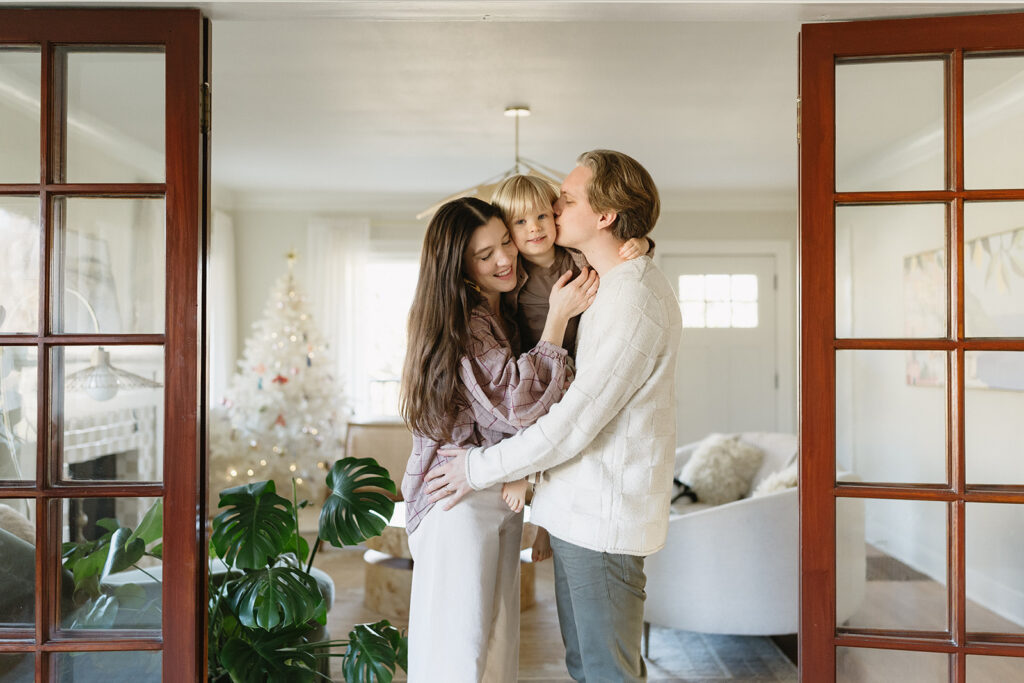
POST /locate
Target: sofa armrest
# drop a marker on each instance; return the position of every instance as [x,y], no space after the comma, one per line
[730,568]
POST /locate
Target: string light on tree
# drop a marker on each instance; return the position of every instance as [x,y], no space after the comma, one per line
[283,415]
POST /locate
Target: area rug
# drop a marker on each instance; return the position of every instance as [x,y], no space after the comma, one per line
[702,658]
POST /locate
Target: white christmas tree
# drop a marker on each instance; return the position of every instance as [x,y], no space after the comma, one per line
[283,416]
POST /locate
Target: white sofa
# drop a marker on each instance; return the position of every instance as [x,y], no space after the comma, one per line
[734,568]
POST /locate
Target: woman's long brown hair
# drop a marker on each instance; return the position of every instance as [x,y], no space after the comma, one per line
[439,320]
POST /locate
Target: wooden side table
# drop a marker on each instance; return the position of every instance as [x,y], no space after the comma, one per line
[389,566]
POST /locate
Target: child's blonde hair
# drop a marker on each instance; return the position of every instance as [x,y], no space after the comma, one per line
[519,194]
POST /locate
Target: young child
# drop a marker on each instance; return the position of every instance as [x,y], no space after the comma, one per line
[525,203]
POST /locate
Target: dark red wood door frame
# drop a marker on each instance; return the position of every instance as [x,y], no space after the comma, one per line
[183,35]
[821,46]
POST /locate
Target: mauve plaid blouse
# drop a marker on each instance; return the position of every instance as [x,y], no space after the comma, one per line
[505,393]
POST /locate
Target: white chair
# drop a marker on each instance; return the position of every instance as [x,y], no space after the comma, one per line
[734,568]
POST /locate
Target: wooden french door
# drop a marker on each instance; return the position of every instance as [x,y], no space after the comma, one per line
[103,207]
[912,350]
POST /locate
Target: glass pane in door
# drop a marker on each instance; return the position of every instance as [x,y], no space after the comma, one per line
[863,665]
[891,266]
[994,269]
[77,667]
[19,264]
[994,403]
[890,125]
[20,73]
[18,400]
[891,564]
[115,115]
[982,668]
[112,408]
[993,121]
[16,667]
[113,265]
[17,565]
[112,563]
[995,568]
[890,424]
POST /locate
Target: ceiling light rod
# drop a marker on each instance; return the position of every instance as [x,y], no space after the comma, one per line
[517,111]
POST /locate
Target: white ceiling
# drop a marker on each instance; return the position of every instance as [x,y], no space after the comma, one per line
[359,103]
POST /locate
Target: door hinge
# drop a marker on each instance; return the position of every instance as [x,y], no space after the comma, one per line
[776,380]
[798,120]
[775,282]
[205,108]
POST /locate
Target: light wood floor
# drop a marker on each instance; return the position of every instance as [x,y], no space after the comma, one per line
[541,654]
[888,604]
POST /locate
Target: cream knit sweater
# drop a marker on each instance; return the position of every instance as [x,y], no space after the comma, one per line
[606,450]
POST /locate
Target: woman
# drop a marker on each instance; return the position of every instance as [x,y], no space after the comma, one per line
[463,384]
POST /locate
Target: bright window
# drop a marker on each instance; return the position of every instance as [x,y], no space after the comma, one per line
[718,300]
[390,284]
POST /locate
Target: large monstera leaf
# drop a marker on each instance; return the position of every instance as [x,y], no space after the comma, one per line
[255,528]
[355,511]
[278,657]
[276,596]
[374,652]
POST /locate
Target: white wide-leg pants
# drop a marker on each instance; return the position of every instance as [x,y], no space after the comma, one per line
[464,613]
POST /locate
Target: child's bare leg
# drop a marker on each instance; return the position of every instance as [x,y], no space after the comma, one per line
[514,494]
[541,545]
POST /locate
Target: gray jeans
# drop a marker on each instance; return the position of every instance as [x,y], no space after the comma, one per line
[600,599]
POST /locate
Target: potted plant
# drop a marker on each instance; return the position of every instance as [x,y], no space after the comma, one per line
[266,610]
[267,613]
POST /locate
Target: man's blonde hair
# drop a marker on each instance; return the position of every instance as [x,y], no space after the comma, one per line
[622,185]
[519,194]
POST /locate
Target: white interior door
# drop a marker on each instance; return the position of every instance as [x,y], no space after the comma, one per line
[727,377]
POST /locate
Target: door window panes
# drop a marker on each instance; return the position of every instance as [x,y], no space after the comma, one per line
[112,563]
[16,667]
[993,121]
[994,402]
[113,406]
[20,69]
[995,568]
[113,266]
[17,566]
[19,264]
[115,115]
[902,559]
[18,400]
[890,122]
[891,265]
[994,269]
[75,667]
[889,421]
[868,665]
[984,668]
[719,300]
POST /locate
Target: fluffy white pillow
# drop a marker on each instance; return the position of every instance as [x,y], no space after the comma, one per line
[786,478]
[722,468]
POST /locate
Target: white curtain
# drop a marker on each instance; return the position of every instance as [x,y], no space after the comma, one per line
[221,305]
[337,250]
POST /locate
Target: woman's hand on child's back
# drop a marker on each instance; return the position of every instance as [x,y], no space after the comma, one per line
[572,298]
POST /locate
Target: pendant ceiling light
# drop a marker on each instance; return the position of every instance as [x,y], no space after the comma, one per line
[485,189]
[101,380]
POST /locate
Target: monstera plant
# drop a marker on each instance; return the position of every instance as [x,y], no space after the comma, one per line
[267,612]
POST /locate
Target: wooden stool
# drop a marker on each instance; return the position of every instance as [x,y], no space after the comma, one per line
[388,583]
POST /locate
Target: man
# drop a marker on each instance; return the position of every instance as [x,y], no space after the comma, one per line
[606,450]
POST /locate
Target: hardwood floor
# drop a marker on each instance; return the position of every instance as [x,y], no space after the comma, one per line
[541,654]
[912,602]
